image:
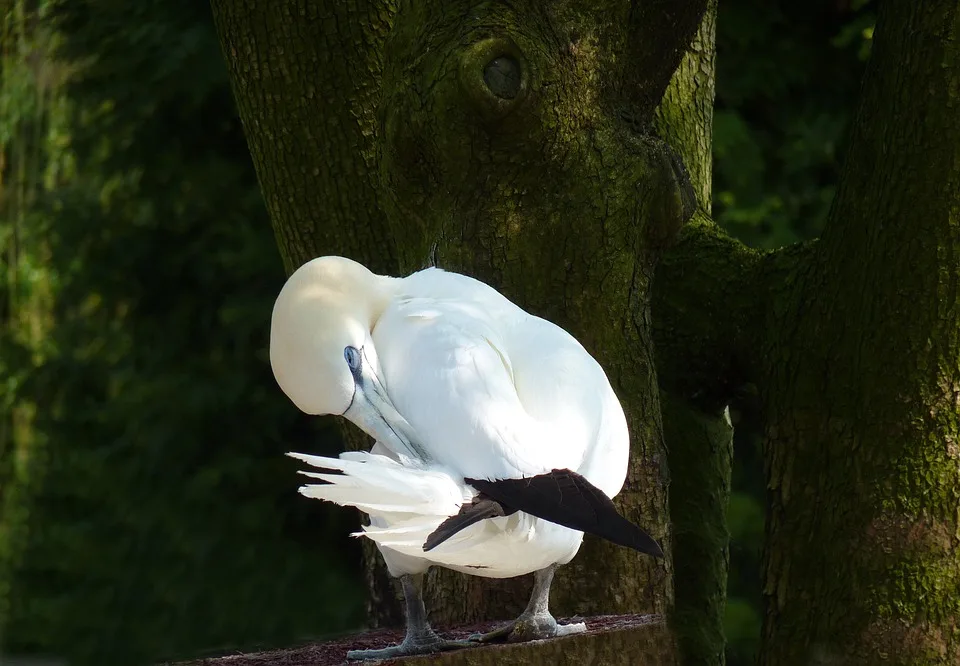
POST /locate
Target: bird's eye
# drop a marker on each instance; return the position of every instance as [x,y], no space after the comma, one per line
[352,355]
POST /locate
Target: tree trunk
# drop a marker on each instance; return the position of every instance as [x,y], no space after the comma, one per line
[506,142]
[861,380]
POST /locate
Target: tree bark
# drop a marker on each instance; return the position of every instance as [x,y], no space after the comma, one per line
[396,149]
[861,380]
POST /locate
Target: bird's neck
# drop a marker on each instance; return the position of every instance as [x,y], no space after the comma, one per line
[381,291]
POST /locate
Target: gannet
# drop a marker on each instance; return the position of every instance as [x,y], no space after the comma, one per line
[499,440]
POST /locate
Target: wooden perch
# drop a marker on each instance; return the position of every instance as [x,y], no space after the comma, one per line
[611,640]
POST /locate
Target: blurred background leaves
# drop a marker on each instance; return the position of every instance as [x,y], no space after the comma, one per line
[146,509]
[787,78]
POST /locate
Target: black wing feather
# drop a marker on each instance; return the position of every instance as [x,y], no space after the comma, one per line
[566,498]
[481,508]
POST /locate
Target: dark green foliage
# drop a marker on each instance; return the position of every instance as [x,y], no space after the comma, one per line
[787,77]
[165,519]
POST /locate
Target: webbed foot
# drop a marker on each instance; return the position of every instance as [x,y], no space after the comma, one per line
[425,643]
[529,628]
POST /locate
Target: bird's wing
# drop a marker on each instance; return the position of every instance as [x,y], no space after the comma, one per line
[448,371]
[557,379]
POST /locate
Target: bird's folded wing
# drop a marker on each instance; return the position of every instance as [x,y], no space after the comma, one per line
[448,373]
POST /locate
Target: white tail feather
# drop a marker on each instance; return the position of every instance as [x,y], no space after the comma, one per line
[383,488]
[412,537]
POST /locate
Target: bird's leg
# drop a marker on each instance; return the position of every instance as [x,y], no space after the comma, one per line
[420,638]
[536,621]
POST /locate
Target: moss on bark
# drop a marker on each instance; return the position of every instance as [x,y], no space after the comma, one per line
[701,450]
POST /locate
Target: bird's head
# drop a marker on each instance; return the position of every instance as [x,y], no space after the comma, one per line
[319,333]
[322,351]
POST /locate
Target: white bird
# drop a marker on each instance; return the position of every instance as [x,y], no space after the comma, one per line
[499,439]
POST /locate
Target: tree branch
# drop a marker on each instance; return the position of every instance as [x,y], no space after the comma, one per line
[707,300]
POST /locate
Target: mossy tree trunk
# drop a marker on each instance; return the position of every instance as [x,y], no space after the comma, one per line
[852,343]
[510,142]
[860,378]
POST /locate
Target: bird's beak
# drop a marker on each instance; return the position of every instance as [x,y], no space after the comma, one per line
[373,412]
